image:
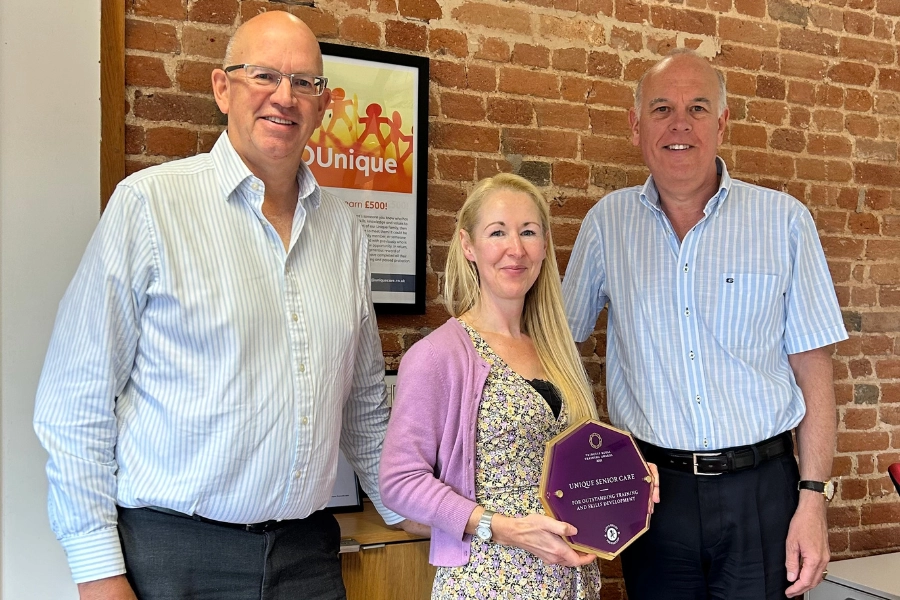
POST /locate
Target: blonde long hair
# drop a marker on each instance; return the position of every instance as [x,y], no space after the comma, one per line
[543,317]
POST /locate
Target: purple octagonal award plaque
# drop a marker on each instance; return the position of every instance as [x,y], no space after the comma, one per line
[596,479]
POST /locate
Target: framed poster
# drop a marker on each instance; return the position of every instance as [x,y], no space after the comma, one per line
[346,495]
[371,151]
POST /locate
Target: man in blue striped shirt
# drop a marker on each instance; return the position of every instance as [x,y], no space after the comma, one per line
[215,347]
[721,313]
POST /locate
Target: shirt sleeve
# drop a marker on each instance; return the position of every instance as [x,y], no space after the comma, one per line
[813,316]
[88,364]
[365,416]
[585,279]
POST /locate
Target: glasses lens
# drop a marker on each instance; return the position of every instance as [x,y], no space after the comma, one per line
[304,84]
[262,76]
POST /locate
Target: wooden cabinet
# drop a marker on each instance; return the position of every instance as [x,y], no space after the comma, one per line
[387,564]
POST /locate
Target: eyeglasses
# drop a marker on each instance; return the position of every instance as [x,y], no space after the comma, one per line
[269,79]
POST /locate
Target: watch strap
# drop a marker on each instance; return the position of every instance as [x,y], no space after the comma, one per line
[826,488]
[483,529]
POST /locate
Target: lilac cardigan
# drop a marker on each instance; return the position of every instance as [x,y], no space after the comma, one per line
[428,461]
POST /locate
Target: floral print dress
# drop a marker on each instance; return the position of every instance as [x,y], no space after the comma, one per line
[514,423]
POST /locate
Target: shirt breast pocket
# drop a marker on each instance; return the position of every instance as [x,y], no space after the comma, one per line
[749,310]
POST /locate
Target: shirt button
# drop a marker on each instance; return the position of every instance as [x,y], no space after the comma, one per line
[691,355]
[305,420]
[698,399]
[295,316]
[687,312]
[297,474]
[685,268]
[705,442]
[255,186]
[302,367]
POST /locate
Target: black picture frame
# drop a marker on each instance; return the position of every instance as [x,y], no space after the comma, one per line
[372,90]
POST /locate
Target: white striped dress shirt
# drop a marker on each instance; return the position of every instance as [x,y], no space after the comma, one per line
[699,330]
[237,365]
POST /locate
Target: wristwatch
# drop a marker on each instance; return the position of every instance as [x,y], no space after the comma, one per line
[826,488]
[483,529]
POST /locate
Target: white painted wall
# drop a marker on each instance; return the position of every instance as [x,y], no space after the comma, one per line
[49,205]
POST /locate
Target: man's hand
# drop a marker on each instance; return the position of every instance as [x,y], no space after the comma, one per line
[111,588]
[413,528]
[807,545]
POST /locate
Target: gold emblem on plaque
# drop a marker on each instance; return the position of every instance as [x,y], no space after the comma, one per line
[595,440]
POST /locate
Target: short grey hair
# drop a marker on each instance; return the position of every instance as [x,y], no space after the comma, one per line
[638,91]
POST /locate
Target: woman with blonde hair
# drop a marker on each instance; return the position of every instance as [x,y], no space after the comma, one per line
[477,400]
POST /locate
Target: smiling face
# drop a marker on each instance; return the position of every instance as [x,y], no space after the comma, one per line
[269,129]
[679,129]
[507,244]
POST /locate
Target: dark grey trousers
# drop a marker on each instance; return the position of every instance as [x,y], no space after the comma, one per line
[168,557]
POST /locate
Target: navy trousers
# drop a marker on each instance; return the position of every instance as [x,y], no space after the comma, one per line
[716,537]
[169,557]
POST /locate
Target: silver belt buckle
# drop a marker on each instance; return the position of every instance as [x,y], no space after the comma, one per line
[696,454]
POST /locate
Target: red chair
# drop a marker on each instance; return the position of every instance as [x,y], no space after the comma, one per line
[894,471]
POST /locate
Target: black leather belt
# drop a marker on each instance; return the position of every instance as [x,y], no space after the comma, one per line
[728,460]
[253,527]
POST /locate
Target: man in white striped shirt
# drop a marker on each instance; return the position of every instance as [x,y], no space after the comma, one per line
[215,347]
[721,316]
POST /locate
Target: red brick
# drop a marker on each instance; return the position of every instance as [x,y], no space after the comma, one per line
[830,95]
[752,8]
[807,67]
[206,41]
[528,83]
[448,74]
[453,136]
[863,224]
[356,28]
[151,36]
[867,50]
[481,78]
[621,38]
[862,126]
[222,12]
[195,76]
[570,174]
[876,199]
[857,23]
[611,151]
[842,247]
[888,103]
[388,7]
[887,175]
[603,64]
[792,140]
[323,23]
[632,11]
[831,222]
[889,79]
[465,107]
[172,107]
[748,31]
[207,139]
[446,197]
[686,21]
[510,111]
[873,538]
[828,145]
[570,59]
[494,17]
[875,150]
[661,44]
[167,9]
[610,94]
[882,322]
[559,114]
[610,122]
[801,92]
[860,368]
[860,418]
[882,249]
[858,100]
[852,73]
[487,167]
[538,142]
[171,141]
[865,464]
[828,120]
[843,516]
[743,134]
[532,56]
[887,368]
[810,42]
[770,87]
[862,441]
[455,167]
[587,31]
[444,41]
[134,139]
[402,34]
[767,111]
[146,71]
[826,18]
[890,415]
[880,513]
[494,49]
[422,10]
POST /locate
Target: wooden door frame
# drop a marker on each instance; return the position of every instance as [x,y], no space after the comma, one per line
[112,97]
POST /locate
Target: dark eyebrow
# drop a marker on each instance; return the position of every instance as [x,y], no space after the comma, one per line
[698,99]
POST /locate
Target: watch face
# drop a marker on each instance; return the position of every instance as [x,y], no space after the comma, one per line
[829,490]
[484,533]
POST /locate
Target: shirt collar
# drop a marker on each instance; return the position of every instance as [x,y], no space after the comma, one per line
[649,195]
[232,173]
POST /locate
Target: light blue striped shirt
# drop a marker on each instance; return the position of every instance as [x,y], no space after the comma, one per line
[237,365]
[699,331]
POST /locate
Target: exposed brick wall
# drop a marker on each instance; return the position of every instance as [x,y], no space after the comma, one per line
[540,87]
